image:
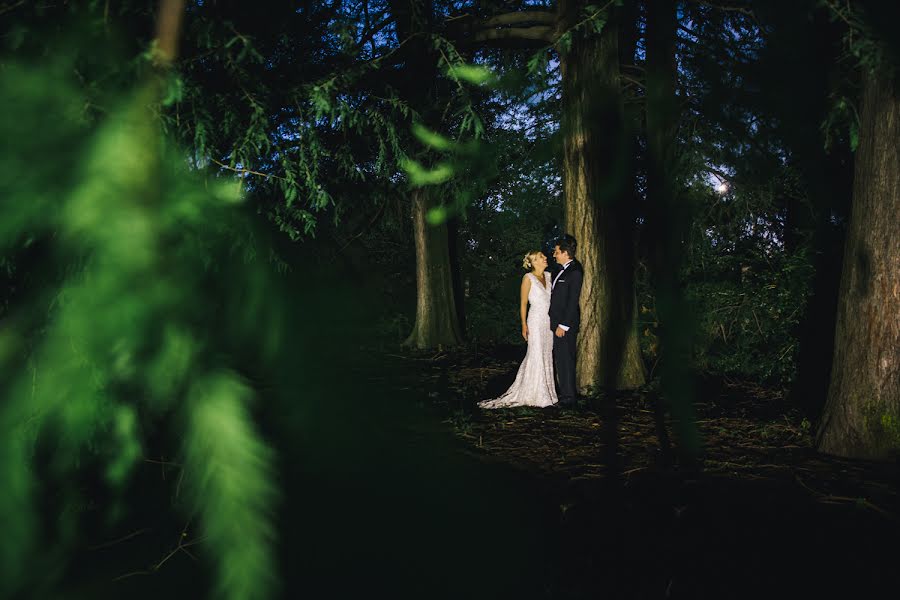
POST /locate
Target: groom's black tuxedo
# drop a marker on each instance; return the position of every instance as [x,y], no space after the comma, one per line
[564,307]
[565,310]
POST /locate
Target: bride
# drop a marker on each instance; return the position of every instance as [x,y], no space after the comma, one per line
[534,382]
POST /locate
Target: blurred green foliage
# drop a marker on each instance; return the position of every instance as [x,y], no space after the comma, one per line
[139,290]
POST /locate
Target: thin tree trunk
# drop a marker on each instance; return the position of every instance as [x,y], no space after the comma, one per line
[862,413]
[437,323]
[598,209]
[459,296]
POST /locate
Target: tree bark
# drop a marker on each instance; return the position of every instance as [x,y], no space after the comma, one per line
[862,413]
[437,320]
[520,18]
[598,209]
[667,224]
[808,47]
[437,323]
[538,33]
[519,29]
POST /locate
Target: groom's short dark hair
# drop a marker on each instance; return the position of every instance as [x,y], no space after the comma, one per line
[567,244]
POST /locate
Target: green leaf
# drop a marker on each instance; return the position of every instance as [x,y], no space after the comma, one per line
[537,62]
[420,176]
[229,192]
[436,215]
[474,74]
[564,43]
[290,195]
[128,449]
[431,138]
[174,91]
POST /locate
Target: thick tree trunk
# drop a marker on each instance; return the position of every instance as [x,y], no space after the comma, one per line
[437,320]
[666,224]
[828,177]
[862,413]
[808,48]
[598,207]
[437,323]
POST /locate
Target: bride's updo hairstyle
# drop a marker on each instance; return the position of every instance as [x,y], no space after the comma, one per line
[528,261]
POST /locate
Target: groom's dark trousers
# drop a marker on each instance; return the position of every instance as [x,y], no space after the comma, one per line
[564,361]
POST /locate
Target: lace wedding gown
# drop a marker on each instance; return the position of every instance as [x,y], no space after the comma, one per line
[534,381]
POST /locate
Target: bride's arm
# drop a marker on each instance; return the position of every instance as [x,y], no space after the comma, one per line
[523,303]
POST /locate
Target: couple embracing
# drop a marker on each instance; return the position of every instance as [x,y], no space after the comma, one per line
[550,320]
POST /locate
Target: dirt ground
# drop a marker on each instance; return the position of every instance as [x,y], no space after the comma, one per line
[758,512]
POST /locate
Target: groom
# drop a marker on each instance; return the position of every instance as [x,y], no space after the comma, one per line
[565,316]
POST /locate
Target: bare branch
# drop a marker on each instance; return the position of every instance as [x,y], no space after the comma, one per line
[637,82]
[540,33]
[741,9]
[520,18]
[119,540]
[246,171]
[7,8]
[370,31]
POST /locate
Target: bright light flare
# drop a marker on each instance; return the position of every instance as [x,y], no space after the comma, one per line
[723,187]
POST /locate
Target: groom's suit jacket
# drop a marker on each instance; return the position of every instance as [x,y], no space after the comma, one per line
[564,309]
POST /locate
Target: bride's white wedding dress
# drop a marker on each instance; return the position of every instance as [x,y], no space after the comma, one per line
[534,382]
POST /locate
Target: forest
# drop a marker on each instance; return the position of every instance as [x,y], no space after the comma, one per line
[261,262]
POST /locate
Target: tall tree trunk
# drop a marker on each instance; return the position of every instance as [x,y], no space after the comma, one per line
[436,319]
[828,176]
[862,413]
[667,224]
[802,50]
[598,209]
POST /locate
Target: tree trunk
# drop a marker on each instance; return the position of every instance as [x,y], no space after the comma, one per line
[455,265]
[437,320]
[667,223]
[598,209]
[862,413]
[437,323]
[828,176]
[808,47]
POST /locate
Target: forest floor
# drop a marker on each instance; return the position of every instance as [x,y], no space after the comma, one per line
[760,511]
[395,484]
